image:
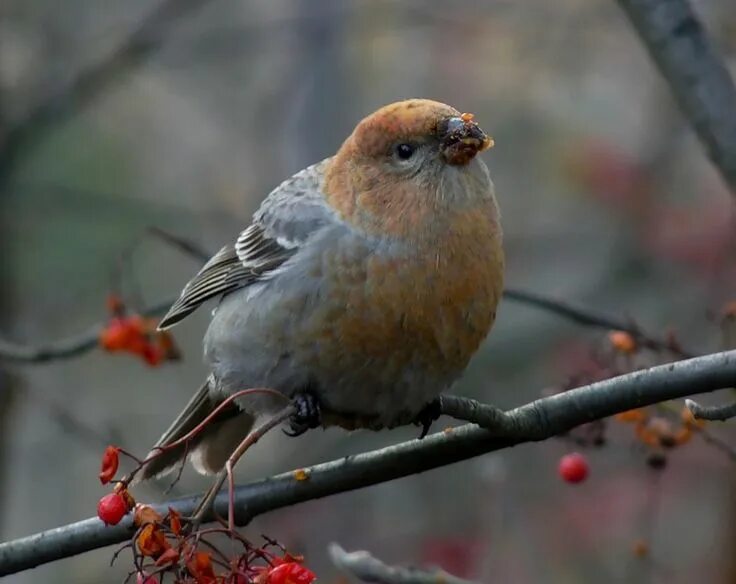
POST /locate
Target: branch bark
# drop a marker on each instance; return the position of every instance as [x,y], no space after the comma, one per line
[697,77]
[716,413]
[535,421]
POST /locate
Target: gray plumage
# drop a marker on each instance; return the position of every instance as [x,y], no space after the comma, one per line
[289,217]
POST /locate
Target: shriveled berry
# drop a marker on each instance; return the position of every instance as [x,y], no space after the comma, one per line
[573,468]
[290,573]
[143,578]
[112,508]
[110,463]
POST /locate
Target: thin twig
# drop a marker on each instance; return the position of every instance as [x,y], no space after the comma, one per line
[591,318]
[696,74]
[184,245]
[69,347]
[368,568]
[538,420]
[716,442]
[717,413]
[485,415]
[708,437]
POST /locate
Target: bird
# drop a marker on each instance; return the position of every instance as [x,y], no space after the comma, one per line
[360,290]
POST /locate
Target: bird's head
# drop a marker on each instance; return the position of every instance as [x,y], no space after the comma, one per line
[407,161]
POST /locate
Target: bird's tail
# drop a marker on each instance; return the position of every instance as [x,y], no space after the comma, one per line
[210,448]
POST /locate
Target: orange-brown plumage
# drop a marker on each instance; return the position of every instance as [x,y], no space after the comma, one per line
[429,308]
[362,188]
[403,120]
[430,311]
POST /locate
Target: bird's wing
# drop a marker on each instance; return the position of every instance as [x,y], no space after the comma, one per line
[290,215]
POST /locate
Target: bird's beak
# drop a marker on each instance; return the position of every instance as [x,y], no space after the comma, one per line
[461,139]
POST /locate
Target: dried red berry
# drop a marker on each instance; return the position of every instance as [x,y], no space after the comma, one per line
[110,462]
[112,508]
[145,514]
[143,578]
[151,541]
[170,556]
[174,521]
[573,468]
[290,573]
[200,566]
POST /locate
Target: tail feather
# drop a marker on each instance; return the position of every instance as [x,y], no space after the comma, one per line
[212,452]
[210,448]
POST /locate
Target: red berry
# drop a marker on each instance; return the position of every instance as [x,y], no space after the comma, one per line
[143,578]
[573,468]
[110,462]
[112,508]
[116,335]
[152,354]
[290,573]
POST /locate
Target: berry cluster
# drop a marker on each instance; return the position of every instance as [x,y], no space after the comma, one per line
[134,334]
[170,548]
[165,550]
[657,428]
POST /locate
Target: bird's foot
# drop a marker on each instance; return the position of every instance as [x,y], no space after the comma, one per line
[307,414]
[431,412]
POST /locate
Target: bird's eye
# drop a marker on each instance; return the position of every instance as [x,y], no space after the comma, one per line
[405,151]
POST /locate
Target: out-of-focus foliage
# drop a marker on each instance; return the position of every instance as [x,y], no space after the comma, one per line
[608,201]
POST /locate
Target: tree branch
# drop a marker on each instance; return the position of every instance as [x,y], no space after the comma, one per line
[69,347]
[535,421]
[716,413]
[699,80]
[367,568]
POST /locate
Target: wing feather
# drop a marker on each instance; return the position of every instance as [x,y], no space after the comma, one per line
[287,219]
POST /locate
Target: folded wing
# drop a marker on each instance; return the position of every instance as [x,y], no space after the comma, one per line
[292,214]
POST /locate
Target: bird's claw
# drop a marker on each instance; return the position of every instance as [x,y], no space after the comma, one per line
[430,413]
[306,416]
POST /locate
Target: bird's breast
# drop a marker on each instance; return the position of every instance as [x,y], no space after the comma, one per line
[428,308]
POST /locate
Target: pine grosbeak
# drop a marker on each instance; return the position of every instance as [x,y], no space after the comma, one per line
[362,287]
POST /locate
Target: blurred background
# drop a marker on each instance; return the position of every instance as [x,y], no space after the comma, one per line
[608,203]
